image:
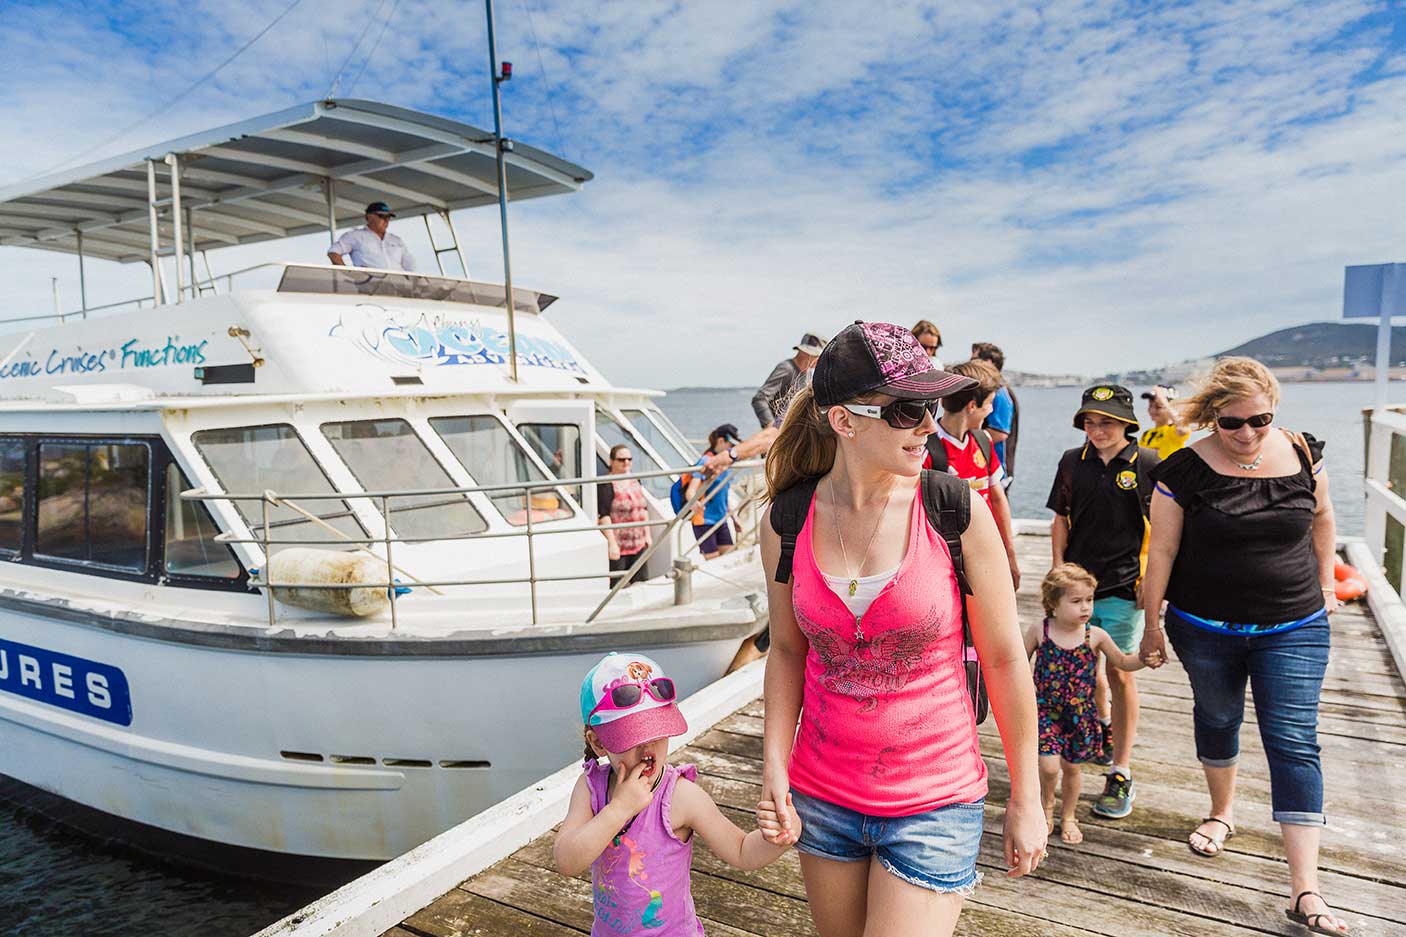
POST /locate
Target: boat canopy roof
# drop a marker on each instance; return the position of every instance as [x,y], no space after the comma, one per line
[270,177]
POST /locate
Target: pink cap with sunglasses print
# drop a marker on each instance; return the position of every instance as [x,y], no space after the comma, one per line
[621,729]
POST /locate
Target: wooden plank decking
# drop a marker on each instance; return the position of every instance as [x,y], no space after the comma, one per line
[1132,878]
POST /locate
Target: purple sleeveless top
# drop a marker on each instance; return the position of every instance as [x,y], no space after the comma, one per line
[640,884]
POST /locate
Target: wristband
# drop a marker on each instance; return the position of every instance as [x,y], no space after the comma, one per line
[732,453]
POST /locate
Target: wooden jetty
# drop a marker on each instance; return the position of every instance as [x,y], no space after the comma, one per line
[1133,877]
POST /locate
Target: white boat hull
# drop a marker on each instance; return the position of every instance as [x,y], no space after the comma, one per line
[221,741]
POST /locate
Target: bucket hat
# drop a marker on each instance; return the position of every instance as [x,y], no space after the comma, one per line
[1111,400]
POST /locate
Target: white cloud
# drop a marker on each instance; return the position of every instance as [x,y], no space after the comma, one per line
[1201,174]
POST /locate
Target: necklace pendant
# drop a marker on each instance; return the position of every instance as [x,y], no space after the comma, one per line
[858,632]
[853,586]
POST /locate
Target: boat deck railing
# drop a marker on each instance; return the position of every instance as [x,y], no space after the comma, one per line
[323,279]
[746,514]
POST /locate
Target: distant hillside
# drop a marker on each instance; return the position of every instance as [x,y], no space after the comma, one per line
[1321,345]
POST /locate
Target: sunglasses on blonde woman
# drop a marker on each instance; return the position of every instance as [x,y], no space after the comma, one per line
[1232,423]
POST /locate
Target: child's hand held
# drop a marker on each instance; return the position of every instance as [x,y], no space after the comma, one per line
[771,822]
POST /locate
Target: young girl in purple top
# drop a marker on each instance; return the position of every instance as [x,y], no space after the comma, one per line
[632,819]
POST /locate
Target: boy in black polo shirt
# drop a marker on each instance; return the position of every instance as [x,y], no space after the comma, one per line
[1100,498]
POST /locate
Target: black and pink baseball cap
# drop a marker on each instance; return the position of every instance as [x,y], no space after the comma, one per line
[883,358]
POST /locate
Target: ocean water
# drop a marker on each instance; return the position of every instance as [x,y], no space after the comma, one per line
[1331,412]
[55,882]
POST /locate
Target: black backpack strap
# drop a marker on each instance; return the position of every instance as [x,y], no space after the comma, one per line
[1145,482]
[788,516]
[947,502]
[984,444]
[937,453]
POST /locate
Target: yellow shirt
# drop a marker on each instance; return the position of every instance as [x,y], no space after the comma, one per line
[1164,439]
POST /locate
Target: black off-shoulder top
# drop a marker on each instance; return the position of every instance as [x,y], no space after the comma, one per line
[1246,552]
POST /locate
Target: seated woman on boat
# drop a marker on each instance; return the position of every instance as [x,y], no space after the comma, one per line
[624,502]
[1242,549]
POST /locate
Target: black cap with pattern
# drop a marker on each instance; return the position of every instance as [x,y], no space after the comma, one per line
[870,357]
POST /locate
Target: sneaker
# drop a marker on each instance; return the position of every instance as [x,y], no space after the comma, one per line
[1116,801]
[1105,754]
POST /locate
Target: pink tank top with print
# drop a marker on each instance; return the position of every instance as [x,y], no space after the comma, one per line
[887,726]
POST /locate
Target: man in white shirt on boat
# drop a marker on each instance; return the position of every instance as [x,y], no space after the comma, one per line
[373,245]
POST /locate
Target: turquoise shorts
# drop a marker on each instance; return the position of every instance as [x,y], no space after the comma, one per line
[1122,619]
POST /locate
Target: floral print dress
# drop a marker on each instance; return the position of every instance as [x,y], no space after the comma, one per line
[1064,692]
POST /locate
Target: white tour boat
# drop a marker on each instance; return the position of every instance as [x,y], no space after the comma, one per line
[393,459]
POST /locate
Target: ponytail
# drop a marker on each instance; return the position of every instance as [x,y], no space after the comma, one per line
[805,447]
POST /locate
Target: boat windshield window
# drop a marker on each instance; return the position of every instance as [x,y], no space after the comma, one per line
[387,455]
[353,281]
[248,459]
[613,434]
[93,503]
[11,493]
[661,441]
[558,445]
[493,457]
[191,548]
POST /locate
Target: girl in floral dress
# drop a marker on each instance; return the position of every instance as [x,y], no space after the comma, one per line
[1066,650]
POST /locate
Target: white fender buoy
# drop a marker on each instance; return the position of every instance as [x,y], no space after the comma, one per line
[308,566]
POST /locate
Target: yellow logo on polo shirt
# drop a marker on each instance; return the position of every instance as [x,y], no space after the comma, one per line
[978,459]
[1102,393]
[1127,479]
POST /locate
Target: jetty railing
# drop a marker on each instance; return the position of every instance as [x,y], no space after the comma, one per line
[262,534]
[1385,514]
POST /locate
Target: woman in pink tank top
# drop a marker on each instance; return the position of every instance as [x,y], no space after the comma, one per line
[866,655]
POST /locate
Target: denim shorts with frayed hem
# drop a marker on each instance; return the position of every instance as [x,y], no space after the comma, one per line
[935,850]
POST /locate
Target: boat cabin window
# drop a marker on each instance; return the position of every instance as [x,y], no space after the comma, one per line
[558,445]
[493,457]
[191,548]
[614,434]
[250,459]
[658,440]
[387,455]
[93,503]
[12,461]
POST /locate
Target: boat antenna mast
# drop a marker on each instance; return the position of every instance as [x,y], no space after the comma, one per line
[502,147]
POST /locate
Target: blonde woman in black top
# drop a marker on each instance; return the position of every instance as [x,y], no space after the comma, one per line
[1242,549]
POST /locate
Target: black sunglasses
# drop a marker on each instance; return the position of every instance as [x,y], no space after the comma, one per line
[901,414]
[1232,423]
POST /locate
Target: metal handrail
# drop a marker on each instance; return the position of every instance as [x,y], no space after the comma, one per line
[270,498]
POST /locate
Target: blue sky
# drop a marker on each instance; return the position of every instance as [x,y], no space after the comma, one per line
[1094,186]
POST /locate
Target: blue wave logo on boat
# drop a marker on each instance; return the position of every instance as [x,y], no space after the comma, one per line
[417,340]
[82,686]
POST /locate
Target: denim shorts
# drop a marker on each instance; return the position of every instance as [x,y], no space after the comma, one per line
[935,850]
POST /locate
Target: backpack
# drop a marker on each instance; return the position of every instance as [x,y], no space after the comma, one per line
[947,504]
[676,491]
[938,451]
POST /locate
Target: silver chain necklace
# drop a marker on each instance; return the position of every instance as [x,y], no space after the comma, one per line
[839,535]
[1241,465]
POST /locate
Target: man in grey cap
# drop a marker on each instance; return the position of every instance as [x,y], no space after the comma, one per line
[373,245]
[768,401]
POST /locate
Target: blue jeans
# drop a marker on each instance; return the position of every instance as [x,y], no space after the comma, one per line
[1285,672]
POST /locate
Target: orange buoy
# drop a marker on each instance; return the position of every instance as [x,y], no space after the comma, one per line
[1350,583]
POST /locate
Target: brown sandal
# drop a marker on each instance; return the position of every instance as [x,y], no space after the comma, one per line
[1211,840]
[1311,920]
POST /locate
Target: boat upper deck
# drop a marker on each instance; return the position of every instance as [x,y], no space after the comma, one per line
[1129,877]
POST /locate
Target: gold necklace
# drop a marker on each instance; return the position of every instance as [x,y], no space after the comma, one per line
[844,555]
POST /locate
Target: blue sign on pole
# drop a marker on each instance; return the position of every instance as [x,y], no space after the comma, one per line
[1372,290]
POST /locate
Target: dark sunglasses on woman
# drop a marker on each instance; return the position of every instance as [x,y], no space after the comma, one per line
[1232,423]
[901,414]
